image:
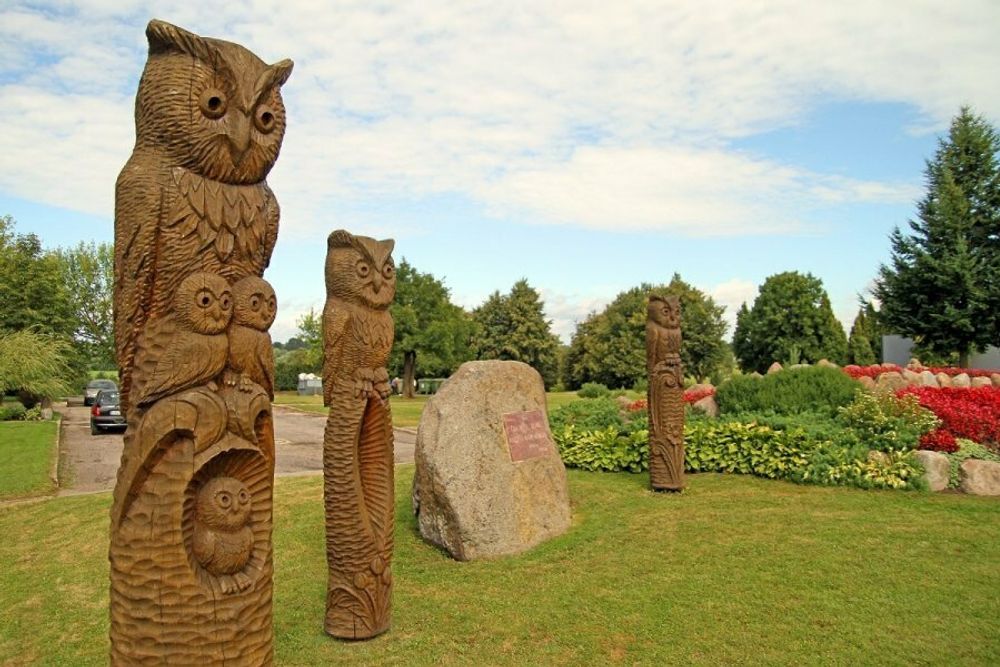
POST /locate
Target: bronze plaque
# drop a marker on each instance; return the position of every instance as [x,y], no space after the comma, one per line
[527,435]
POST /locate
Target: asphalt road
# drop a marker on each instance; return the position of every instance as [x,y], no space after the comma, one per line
[89,463]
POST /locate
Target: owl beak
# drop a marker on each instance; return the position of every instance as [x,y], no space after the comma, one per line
[377,283]
[239,137]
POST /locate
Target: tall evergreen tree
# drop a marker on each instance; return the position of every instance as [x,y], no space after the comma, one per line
[942,286]
[513,326]
[791,320]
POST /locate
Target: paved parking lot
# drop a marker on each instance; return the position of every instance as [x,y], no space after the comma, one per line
[89,463]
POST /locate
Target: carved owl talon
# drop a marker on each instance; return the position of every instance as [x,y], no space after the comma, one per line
[228,585]
[246,384]
[229,378]
[243,582]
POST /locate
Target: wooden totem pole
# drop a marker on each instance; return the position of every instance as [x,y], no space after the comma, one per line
[665,396]
[195,224]
[357,445]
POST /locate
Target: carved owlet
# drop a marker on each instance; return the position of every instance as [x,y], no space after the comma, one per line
[209,125]
[189,347]
[250,353]
[223,540]
[357,327]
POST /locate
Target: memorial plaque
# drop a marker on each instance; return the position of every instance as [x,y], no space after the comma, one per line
[527,435]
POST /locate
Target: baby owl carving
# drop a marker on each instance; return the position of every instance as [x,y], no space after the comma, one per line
[250,355]
[223,539]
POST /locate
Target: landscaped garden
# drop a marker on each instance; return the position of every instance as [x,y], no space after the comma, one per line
[735,569]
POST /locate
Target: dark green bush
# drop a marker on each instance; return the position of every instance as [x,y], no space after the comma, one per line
[12,412]
[593,390]
[795,391]
[591,414]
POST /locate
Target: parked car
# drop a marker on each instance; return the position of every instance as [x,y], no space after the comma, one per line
[107,412]
[94,386]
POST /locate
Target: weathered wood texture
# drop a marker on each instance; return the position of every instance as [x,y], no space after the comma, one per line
[357,446]
[665,397]
[195,224]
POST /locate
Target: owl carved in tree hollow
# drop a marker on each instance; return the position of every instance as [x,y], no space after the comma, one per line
[209,125]
[223,539]
[357,326]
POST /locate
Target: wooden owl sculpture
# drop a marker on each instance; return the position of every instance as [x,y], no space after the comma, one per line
[251,358]
[195,225]
[665,397]
[189,346]
[223,539]
[357,446]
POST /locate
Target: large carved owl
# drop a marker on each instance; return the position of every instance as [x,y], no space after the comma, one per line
[250,353]
[187,347]
[222,539]
[357,327]
[192,197]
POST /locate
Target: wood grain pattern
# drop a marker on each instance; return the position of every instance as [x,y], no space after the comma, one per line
[665,397]
[195,225]
[357,444]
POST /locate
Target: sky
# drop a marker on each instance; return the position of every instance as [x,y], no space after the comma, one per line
[585,146]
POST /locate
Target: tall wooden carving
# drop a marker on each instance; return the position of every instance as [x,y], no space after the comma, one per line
[195,225]
[357,446]
[665,394]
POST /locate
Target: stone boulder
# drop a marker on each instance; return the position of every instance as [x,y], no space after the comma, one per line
[867,383]
[936,469]
[961,380]
[995,379]
[489,481]
[928,379]
[912,378]
[774,368]
[944,380]
[981,382]
[706,405]
[826,363]
[890,381]
[914,364]
[979,478]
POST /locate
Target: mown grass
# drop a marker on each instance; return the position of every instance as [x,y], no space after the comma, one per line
[735,570]
[27,452]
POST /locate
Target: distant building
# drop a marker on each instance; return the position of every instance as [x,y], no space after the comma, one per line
[896,350]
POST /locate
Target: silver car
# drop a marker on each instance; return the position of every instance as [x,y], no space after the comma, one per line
[94,386]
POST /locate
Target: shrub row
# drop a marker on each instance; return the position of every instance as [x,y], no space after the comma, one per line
[793,391]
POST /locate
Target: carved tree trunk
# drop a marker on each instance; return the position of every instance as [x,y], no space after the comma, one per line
[665,395]
[409,366]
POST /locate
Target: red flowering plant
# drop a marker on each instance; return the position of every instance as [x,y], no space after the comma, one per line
[939,440]
[690,396]
[972,413]
[870,371]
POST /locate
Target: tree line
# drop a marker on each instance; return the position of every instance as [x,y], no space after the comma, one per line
[941,288]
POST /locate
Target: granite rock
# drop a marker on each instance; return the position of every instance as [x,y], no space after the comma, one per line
[980,478]
[936,469]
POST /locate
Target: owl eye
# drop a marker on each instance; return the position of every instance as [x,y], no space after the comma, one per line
[213,103]
[388,271]
[204,298]
[263,118]
[272,304]
[225,500]
[363,269]
[226,301]
[244,497]
[255,302]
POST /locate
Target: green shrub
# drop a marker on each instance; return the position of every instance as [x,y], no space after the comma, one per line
[593,390]
[886,422]
[794,391]
[12,412]
[591,414]
[967,449]
[641,385]
[604,450]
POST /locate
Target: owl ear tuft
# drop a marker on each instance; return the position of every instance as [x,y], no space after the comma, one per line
[164,37]
[388,245]
[340,239]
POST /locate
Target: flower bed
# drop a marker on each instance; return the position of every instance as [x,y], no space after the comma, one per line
[972,413]
[875,370]
[690,396]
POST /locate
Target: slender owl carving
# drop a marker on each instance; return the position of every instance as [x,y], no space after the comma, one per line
[195,225]
[357,446]
[665,394]
[223,539]
[250,354]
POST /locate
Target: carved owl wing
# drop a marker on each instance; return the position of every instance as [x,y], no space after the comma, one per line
[250,353]
[336,318]
[188,360]
[139,206]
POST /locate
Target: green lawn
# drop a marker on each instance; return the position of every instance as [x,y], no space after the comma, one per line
[735,570]
[27,452]
[405,411]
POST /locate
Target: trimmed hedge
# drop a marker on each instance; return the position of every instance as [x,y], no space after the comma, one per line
[794,391]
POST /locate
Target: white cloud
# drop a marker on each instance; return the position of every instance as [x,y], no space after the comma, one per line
[607,115]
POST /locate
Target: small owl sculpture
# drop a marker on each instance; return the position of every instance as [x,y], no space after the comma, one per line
[192,197]
[250,356]
[357,327]
[189,347]
[223,540]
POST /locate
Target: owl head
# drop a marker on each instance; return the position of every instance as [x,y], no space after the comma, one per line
[360,269]
[665,310]
[211,106]
[223,503]
[255,303]
[203,302]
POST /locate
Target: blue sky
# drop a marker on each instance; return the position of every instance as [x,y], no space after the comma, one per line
[585,146]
